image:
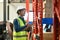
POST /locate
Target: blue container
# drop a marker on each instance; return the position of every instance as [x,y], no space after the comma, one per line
[47,21]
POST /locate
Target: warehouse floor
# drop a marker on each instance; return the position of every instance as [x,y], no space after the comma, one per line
[48,36]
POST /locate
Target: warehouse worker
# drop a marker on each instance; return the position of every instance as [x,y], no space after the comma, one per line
[20,26]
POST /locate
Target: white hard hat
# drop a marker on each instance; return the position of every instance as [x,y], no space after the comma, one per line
[20,7]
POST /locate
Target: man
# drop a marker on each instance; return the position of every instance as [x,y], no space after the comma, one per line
[20,26]
[9,28]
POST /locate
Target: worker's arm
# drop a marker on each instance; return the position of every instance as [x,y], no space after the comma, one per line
[17,26]
[29,27]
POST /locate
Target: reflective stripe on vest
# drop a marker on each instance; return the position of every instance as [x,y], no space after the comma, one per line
[22,35]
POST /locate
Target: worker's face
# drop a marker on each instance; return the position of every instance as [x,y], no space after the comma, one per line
[22,13]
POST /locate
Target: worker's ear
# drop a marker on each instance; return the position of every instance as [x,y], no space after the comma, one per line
[19,12]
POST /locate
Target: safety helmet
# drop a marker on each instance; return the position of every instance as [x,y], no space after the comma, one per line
[20,8]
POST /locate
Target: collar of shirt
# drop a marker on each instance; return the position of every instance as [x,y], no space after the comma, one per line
[21,17]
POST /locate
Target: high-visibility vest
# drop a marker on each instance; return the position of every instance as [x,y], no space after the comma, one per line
[22,35]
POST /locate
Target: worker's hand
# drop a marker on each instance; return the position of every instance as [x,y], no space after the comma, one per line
[29,25]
